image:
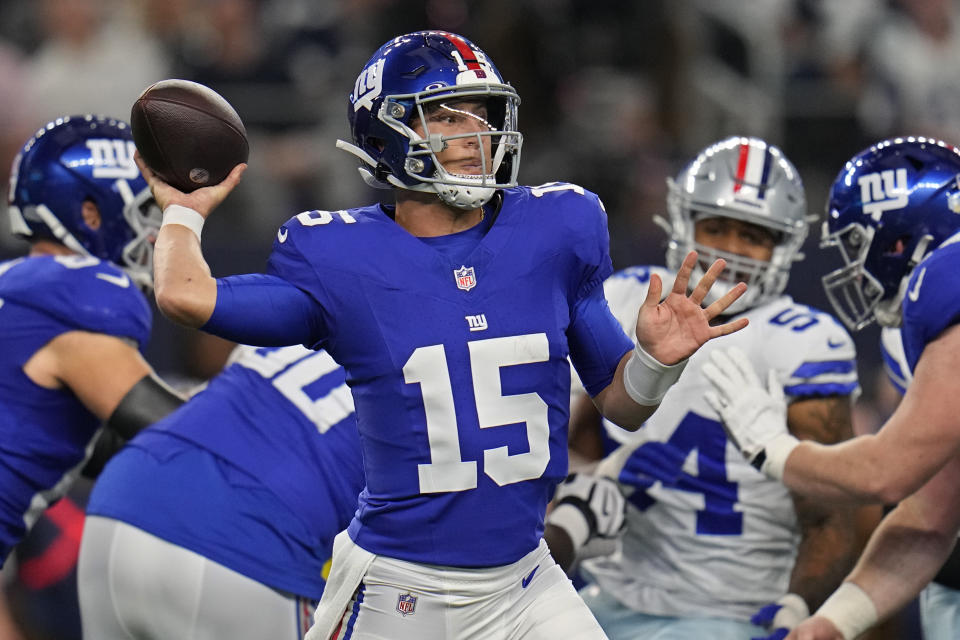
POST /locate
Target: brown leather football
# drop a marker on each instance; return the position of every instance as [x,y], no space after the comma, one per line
[188,134]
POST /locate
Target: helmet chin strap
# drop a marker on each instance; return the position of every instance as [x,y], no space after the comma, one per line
[456,195]
[59,231]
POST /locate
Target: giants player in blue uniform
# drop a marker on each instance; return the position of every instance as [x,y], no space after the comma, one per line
[453,313]
[218,521]
[74,319]
[894,214]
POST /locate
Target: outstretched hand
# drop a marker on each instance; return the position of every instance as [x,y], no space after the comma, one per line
[203,200]
[675,328]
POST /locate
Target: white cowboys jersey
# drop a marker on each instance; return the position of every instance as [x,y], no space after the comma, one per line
[706,532]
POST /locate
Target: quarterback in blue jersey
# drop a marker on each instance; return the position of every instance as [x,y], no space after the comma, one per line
[73,316]
[894,214]
[231,503]
[453,313]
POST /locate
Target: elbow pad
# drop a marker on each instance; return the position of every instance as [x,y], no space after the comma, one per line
[147,401]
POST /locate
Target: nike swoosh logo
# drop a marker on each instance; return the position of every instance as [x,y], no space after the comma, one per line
[526,581]
[282,235]
[121,281]
[835,345]
[914,294]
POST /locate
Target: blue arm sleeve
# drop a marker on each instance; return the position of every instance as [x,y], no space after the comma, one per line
[597,341]
[265,311]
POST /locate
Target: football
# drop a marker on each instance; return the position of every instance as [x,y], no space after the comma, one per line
[188,134]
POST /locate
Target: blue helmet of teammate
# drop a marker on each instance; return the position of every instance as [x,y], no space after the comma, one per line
[74,162]
[410,75]
[889,207]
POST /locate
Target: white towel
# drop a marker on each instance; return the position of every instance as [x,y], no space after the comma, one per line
[349,565]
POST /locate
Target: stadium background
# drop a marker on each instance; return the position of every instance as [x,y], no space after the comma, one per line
[616,95]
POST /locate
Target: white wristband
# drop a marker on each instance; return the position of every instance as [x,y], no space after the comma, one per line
[646,379]
[185,216]
[571,520]
[850,610]
[777,451]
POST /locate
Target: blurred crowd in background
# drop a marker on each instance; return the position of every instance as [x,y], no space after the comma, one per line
[616,95]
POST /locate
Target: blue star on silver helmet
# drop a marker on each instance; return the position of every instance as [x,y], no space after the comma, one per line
[889,207]
[400,81]
[748,180]
[86,158]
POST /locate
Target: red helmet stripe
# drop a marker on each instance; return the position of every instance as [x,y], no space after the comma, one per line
[469,57]
[741,166]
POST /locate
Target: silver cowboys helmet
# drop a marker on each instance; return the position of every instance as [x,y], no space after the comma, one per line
[749,180]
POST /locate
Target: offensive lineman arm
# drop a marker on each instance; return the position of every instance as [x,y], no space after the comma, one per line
[903,555]
[914,454]
[668,332]
[919,438]
[110,377]
[830,542]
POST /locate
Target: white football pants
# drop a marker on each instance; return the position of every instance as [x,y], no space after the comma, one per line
[133,585]
[531,599]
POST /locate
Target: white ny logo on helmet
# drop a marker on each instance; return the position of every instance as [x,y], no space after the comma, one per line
[883,191]
[113,158]
[368,87]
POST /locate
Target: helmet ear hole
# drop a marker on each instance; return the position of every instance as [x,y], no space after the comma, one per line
[90,213]
[897,247]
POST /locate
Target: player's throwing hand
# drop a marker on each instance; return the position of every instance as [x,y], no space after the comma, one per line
[203,200]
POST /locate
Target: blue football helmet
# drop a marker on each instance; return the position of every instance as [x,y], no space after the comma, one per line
[749,180]
[889,207]
[404,78]
[77,159]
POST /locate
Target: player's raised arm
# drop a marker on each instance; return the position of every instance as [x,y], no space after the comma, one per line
[668,332]
[186,292]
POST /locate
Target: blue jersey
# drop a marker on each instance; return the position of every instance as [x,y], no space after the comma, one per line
[458,367]
[932,301]
[257,472]
[44,433]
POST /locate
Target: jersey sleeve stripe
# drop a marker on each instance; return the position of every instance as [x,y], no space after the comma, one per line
[824,389]
[811,369]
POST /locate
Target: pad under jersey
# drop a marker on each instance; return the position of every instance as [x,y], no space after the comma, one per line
[709,535]
[44,433]
[258,472]
[458,366]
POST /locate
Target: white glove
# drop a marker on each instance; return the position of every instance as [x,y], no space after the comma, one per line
[755,418]
[786,613]
[587,507]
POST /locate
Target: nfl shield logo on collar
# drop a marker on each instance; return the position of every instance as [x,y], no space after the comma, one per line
[406,603]
[465,277]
